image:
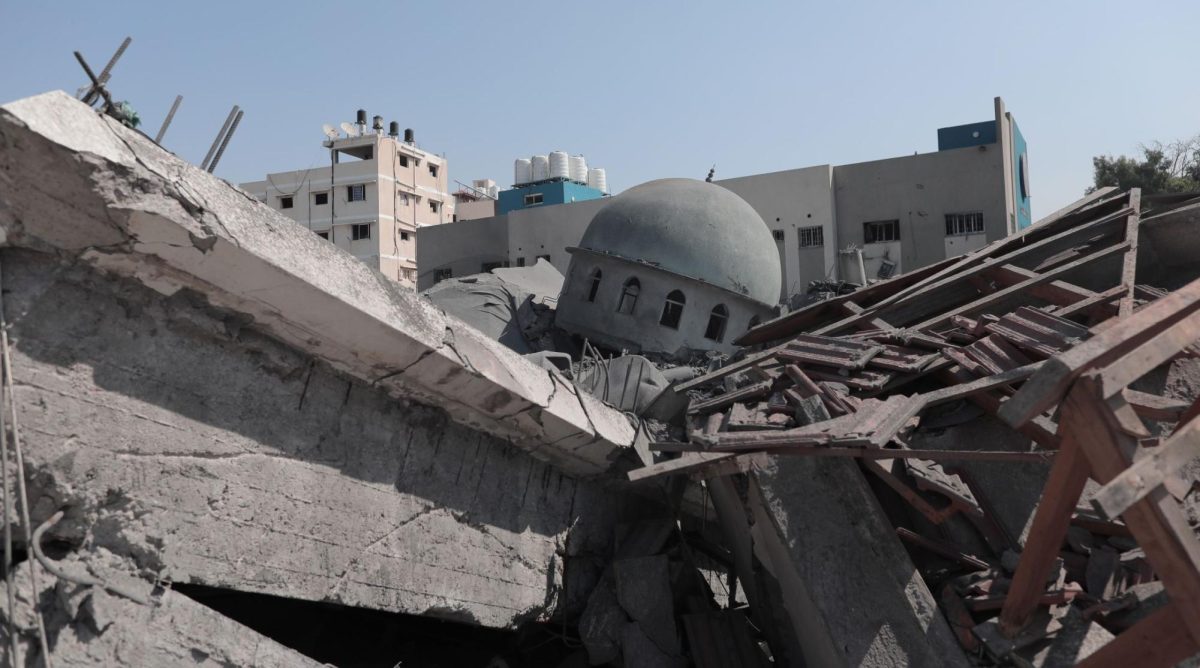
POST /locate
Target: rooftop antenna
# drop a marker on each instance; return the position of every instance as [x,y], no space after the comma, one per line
[167,121]
[330,133]
[712,171]
[350,129]
[89,93]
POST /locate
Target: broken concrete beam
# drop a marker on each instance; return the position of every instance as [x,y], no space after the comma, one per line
[853,596]
[92,627]
[221,457]
[81,185]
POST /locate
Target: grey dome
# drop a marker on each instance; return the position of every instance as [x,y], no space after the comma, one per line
[693,228]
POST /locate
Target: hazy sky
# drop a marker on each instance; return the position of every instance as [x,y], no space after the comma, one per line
[645,89]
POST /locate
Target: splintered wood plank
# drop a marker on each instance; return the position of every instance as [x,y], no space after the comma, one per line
[1157,521]
[719,402]
[731,368]
[683,464]
[1048,386]
[1155,407]
[1149,472]
[1134,364]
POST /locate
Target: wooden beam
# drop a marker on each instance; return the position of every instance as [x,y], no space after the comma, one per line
[1048,386]
[1055,292]
[1018,288]
[1158,641]
[1120,373]
[1157,521]
[1129,267]
[1149,472]
[1063,489]
[1155,407]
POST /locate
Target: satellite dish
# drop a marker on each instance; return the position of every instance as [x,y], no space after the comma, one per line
[350,130]
[329,131]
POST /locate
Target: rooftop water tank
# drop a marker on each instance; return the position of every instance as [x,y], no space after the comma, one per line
[522,171]
[597,179]
[560,165]
[579,169]
[541,167]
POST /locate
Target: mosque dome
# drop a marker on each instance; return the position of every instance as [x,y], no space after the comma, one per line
[691,228]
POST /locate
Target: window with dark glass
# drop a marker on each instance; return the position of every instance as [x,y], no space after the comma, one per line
[285,202]
[879,231]
[360,231]
[356,193]
[672,310]
[716,323]
[595,286]
[320,199]
[629,296]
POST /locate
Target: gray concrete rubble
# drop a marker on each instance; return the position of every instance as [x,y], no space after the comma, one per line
[215,398]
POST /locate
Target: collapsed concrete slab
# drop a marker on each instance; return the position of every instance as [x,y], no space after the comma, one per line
[218,397]
[81,184]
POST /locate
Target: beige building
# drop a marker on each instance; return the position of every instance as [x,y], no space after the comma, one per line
[370,200]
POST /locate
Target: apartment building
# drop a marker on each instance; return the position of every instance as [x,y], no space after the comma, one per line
[372,197]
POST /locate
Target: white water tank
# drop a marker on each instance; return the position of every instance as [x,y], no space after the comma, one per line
[522,171]
[493,191]
[579,168]
[597,179]
[541,167]
[560,165]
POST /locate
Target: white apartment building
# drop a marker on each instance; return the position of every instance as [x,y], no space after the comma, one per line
[370,199]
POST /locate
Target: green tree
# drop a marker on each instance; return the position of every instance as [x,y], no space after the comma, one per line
[1169,168]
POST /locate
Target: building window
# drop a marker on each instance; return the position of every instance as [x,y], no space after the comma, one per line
[544,257]
[440,275]
[778,234]
[521,262]
[320,199]
[716,323]
[629,296]
[754,320]
[488,266]
[958,224]
[673,310]
[323,235]
[285,202]
[595,287]
[404,236]
[433,206]
[360,231]
[879,231]
[356,193]
[404,161]
[433,170]
[404,199]
[811,236]
[535,198]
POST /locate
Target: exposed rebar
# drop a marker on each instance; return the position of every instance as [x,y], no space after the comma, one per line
[212,167]
[167,121]
[217,142]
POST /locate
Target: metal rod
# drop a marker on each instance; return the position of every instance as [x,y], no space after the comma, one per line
[88,93]
[221,151]
[167,121]
[217,142]
[91,75]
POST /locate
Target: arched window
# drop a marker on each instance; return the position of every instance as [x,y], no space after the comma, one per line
[716,323]
[673,310]
[629,295]
[595,286]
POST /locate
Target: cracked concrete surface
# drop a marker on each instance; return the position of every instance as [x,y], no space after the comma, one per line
[123,204]
[234,461]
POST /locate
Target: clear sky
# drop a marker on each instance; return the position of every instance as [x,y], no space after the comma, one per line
[645,89]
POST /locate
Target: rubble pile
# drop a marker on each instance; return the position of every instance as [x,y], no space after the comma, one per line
[1024,417]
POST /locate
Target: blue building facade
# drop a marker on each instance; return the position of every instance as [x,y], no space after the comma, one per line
[544,193]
